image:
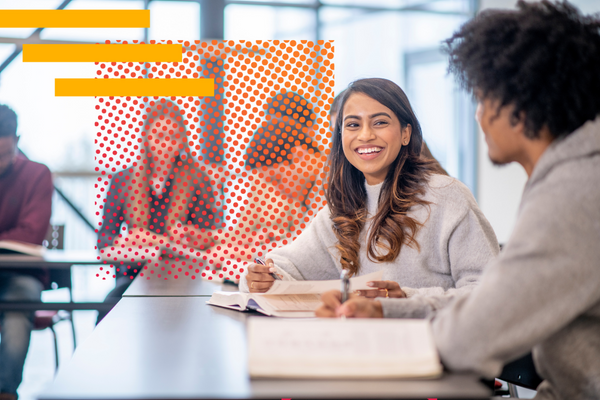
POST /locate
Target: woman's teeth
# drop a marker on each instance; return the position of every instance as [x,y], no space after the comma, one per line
[369,150]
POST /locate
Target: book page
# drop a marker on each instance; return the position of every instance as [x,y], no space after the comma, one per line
[232,300]
[319,287]
[306,303]
[342,348]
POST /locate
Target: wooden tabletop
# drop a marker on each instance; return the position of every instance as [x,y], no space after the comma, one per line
[181,348]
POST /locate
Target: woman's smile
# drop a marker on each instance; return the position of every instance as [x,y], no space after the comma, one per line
[369,152]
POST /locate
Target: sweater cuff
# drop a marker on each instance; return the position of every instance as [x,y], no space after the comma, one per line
[405,308]
[243,284]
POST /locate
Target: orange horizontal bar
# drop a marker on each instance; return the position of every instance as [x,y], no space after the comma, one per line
[102,52]
[74,18]
[134,87]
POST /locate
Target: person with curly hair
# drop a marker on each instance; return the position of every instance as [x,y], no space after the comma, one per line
[387,210]
[535,72]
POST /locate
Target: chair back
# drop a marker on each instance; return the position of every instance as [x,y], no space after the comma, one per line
[55,238]
[521,372]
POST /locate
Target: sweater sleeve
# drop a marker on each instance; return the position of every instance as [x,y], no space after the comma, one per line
[469,244]
[34,215]
[546,276]
[309,257]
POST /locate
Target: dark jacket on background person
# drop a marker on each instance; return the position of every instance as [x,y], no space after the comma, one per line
[26,205]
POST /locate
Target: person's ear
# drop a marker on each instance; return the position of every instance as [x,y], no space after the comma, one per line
[406,133]
[479,112]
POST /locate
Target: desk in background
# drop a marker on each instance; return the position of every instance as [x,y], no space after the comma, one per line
[53,259]
[181,348]
[58,262]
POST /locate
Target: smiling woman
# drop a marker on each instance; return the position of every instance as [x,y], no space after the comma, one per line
[387,209]
[380,137]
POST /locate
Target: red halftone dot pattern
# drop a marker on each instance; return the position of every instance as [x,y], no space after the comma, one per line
[198,186]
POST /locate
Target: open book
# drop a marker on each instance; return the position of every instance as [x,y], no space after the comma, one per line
[335,348]
[292,299]
[11,247]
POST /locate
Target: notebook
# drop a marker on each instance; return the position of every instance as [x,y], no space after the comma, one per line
[12,247]
[335,348]
[291,299]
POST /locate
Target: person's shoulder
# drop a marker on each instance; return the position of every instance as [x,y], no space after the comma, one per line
[447,191]
[322,217]
[324,212]
[447,184]
[33,169]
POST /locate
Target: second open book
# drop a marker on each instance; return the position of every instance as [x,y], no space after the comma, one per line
[291,299]
[333,348]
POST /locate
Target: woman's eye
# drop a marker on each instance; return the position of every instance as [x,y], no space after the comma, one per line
[351,125]
[381,123]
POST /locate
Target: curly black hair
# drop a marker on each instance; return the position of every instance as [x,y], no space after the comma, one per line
[543,59]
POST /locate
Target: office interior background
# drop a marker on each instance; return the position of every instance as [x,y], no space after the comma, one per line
[393,39]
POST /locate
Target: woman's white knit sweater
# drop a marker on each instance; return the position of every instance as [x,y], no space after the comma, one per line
[456,241]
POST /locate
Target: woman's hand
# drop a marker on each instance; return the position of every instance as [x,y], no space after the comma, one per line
[259,277]
[142,237]
[383,289]
[356,307]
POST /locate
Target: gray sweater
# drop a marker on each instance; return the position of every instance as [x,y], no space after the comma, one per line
[456,241]
[543,292]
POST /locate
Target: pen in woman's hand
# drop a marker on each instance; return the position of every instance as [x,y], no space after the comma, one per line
[261,262]
[345,277]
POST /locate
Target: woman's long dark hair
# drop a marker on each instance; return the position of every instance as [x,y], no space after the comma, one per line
[402,188]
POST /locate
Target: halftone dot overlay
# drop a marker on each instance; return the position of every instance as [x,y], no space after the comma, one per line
[198,186]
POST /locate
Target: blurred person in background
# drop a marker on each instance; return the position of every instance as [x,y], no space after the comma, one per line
[283,161]
[25,208]
[154,198]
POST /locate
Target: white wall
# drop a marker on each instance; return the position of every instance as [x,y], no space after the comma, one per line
[499,192]
[499,188]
